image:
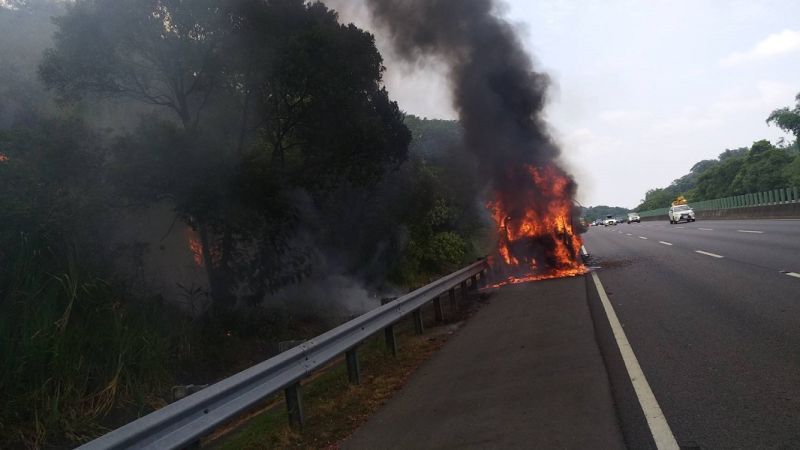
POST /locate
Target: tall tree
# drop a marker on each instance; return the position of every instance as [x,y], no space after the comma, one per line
[787,119]
[269,97]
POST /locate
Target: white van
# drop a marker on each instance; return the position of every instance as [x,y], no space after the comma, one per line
[680,212]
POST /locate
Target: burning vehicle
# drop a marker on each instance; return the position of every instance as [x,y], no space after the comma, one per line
[500,99]
[536,236]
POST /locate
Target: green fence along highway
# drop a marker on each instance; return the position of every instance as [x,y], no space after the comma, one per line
[773,197]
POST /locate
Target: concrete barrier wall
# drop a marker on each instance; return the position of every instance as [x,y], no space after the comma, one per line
[776,211]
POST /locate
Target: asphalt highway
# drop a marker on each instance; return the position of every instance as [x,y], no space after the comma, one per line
[712,312]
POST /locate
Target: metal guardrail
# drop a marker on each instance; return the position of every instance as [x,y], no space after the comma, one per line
[186,421]
[766,198]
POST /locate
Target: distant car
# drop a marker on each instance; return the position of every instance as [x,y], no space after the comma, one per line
[678,213]
[633,217]
[609,221]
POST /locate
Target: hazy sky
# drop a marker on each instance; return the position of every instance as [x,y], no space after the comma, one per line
[641,89]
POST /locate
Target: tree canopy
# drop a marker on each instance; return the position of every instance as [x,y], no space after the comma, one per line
[251,101]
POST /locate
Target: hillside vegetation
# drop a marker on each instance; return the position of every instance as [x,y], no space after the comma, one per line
[265,128]
[762,166]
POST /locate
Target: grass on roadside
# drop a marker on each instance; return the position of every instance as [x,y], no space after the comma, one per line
[333,407]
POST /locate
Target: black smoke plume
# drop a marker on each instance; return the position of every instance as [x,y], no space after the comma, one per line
[497,93]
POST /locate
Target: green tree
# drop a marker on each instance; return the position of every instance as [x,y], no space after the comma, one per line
[716,182]
[656,198]
[762,169]
[268,97]
[787,118]
[792,172]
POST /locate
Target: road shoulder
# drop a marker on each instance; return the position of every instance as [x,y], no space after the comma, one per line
[525,371]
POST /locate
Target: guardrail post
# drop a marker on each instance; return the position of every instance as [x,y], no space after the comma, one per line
[388,332]
[353,367]
[391,340]
[483,281]
[294,405]
[453,303]
[490,273]
[437,309]
[464,295]
[418,325]
[473,283]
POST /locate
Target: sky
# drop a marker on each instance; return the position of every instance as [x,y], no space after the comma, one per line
[641,89]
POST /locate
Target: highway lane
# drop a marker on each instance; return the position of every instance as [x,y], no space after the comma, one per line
[773,244]
[717,338]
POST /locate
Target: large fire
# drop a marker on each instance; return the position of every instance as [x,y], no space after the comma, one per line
[536,236]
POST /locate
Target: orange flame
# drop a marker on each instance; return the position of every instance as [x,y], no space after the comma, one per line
[195,246]
[3,157]
[539,241]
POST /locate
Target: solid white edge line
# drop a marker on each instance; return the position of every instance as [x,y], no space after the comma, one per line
[659,428]
[706,229]
[583,251]
[792,274]
[750,231]
[665,243]
[642,237]
[709,254]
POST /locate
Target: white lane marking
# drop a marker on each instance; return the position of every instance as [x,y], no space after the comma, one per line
[709,254]
[659,428]
[680,227]
[792,274]
[665,243]
[583,251]
[642,237]
[628,234]
[706,229]
[750,231]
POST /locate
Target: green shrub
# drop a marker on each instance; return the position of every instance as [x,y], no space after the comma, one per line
[71,350]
